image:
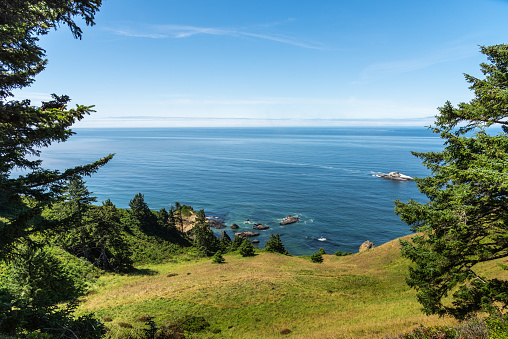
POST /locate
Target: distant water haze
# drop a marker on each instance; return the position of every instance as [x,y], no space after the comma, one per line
[325,176]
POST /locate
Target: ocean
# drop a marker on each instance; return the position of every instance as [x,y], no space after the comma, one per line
[325,176]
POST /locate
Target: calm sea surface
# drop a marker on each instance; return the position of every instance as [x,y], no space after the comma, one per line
[323,175]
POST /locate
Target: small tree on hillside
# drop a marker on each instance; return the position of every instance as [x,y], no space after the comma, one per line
[317,257]
[465,222]
[237,242]
[205,241]
[74,217]
[141,216]
[163,218]
[246,249]
[274,245]
[218,258]
[108,248]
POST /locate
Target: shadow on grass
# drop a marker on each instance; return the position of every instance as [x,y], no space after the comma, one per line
[141,272]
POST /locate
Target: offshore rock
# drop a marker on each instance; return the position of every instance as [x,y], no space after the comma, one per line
[395,176]
[260,227]
[235,226]
[246,234]
[255,241]
[216,223]
[289,220]
[366,246]
[224,235]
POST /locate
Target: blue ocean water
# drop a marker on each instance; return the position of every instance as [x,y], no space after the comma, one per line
[323,175]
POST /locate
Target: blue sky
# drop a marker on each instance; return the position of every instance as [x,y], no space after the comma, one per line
[158,63]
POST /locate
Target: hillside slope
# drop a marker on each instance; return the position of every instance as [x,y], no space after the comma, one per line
[358,296]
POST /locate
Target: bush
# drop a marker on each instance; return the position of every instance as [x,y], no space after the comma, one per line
[498,327]
[437,332]
[341,254]
[237,242]
[317,257]
[246,249]
[473,328]
[274,245]
[322,251]
[218,258]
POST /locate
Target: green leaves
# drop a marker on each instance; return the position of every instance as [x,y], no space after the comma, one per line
[465,221]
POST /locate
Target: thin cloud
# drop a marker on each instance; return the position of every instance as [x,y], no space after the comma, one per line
[404,66]
[185,31]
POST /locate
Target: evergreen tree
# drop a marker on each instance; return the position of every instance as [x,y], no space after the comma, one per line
[218,258]
[141,216]
[225,244]
[171,218]
[200,217]
[317,257]
[246,249]
[73,215]
[109,249]
[465,222]
[205,241]
[163,218]
[25,129]
[274,244]
[237,242]
[36,278]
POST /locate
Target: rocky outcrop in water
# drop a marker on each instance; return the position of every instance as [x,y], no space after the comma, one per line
[235,226]
[246,234]
[289,220]
[260,227]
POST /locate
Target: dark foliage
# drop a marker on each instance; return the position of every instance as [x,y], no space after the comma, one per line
[274,245]
[317,257]
[246,249]
[464,222]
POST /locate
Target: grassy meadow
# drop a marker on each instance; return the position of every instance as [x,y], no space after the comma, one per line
[357,296]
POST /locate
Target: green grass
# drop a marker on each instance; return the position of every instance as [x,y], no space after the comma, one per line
[357,296]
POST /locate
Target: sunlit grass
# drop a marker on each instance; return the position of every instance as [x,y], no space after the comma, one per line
[361,295]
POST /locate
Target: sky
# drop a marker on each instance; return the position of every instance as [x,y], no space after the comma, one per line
[239,63]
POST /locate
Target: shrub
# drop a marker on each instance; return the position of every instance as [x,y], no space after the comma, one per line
[246,249]
[218,258]
[237,242]
[472,328]
[317,257]
[274,245]
[341,254]
[437,332]
[322,251]
[498,327]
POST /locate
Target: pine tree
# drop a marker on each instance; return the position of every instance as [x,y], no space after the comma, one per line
[24,128]
[73,216]
[246,249]
[465,222]
[163,218]
[274,244]
[218,258]
[317,257]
